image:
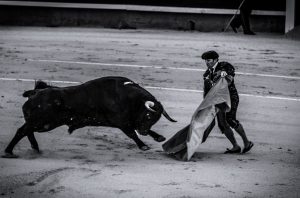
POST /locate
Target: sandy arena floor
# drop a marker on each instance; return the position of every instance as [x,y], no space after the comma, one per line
[103,162]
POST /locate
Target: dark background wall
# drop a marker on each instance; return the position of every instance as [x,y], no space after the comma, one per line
[49,16]
[278,5]
[297,7]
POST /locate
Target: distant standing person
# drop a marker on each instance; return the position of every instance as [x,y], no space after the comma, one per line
[243,18]
[226,120]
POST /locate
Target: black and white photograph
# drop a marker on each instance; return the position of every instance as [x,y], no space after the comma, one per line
[149,99]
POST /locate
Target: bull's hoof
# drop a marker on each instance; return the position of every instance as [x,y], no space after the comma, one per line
[9,155]
[160,139]
[144,148]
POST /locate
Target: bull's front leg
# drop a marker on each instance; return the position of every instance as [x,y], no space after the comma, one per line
[156,136]
[136,139]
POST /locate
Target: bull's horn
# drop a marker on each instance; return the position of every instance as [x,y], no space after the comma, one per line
[149,104]
[168,117]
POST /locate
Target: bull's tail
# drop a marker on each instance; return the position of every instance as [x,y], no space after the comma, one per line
[38,85]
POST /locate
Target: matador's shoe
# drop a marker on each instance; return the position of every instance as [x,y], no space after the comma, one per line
[232,151]
[248,148]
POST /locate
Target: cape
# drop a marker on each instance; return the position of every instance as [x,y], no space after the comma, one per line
[186,141]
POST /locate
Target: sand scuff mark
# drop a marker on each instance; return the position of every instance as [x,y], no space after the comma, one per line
[47,174]
[11,183]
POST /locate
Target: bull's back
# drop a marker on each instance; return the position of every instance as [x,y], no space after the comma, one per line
[108,96]
[93,95]
[108,92]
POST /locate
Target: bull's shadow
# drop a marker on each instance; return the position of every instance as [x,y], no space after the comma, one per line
[109,101]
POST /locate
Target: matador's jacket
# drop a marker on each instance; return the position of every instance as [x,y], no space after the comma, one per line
[210,77]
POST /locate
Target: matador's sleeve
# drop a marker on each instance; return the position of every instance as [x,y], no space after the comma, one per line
[230,72]
[206,74]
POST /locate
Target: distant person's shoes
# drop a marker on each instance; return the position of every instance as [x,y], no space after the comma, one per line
[249,32]
[248,148]
[233,28]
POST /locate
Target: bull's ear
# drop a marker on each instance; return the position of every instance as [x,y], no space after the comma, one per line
[149,104]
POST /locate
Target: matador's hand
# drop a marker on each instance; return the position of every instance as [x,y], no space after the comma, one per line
[223,74]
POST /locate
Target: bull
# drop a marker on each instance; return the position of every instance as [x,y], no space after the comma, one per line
[109,101]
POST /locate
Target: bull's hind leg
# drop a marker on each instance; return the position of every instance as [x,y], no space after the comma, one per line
[33,142]
[21,132]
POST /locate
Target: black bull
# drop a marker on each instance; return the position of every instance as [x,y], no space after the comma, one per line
[109,101]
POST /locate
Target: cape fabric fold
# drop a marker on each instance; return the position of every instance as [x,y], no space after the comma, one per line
[186,141]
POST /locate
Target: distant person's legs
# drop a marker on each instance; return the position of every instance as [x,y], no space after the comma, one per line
[245,18]
[236,23]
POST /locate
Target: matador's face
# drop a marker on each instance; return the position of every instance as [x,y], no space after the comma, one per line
[210,62]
